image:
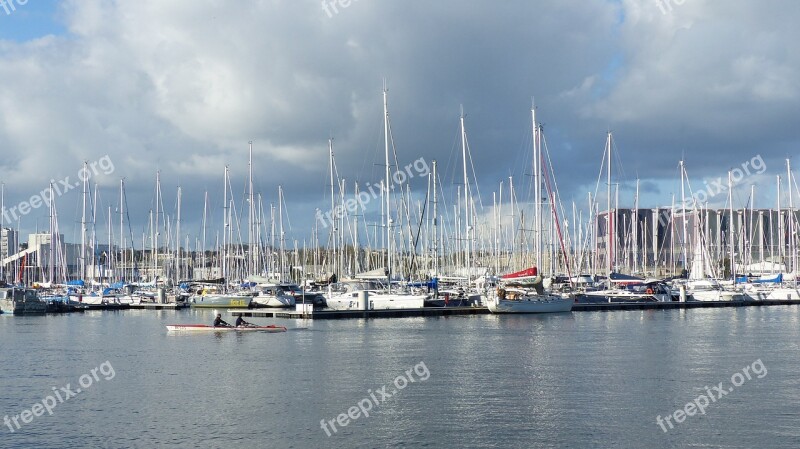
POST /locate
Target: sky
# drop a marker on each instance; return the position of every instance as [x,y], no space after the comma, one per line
[179,88]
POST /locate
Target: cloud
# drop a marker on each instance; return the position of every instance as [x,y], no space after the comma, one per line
[182,86]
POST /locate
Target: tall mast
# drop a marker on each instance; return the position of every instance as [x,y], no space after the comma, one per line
[158,204]
[635,225]
[94,234]
[781,239]
[537,192]
[280,224]
[203,249]
[341,263]
[435,223]
[225,226]
[121,220]
[52,238]
[251,212]
[334,259]
[513,222]
[609,238]
[83,221]
[388,189]
[356,264]
[178,240]
[792,237]
[272,239]
[109,260]
[467,228]
[683,206]
[730,226]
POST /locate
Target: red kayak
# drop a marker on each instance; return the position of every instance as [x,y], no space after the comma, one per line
[207,328]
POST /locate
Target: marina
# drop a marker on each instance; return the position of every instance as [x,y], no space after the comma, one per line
[372,224]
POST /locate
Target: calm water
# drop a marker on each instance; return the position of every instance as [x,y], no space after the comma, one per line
[577,380]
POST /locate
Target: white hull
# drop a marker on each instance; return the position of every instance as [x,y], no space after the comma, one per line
[784,293]
[531,304]
[377,302]
[274,301]
[717,295]
[93,299]
[615,295]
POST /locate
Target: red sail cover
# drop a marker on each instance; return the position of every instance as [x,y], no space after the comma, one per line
[530,272]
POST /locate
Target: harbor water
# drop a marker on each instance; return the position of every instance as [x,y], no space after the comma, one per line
[581,379]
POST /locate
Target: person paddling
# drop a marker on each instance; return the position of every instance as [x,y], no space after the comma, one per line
[240,322]
[219,322]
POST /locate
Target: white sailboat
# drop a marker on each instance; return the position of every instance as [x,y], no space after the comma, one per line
[702,285]
[529,297]
[523,292]
[378,297]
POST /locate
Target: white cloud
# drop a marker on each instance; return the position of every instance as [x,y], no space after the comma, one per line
[182,86]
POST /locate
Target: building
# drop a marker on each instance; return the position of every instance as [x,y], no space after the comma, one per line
[662,241]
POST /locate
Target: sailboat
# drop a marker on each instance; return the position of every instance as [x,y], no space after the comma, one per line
[522,292]
[380,296]
[700,285]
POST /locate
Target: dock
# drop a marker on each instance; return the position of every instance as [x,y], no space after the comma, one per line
[598,307]
[343,314]
[159,306]
[462,311]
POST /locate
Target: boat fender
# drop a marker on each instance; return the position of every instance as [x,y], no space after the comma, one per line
[649,291]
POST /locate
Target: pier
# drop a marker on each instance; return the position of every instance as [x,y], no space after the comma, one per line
[462,311]
[341,314]
[599,307]
[159,306]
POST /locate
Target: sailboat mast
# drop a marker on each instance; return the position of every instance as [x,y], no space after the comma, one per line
[178,240]
[251,211]
[388,189]
[537,192]
[225,225]
[109,260]
[333,234]
[203,249]
[635,229]
[683,207]
[435,223]
[792,236]
[280,223]
[609,239]
[51,265]
[83,222]
[730,227]
[467,228]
